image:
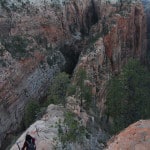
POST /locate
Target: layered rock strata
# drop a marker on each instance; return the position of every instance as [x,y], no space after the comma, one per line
[37,39]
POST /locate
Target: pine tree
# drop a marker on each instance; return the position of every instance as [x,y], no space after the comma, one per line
[128,96]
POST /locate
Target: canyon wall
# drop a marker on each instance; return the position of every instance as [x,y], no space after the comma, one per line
[124,37]
[38,39]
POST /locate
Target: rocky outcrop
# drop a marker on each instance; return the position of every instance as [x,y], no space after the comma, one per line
[45,131]
[37,39]
[134,137]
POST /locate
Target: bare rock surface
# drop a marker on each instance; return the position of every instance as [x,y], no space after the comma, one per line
[134,137]
[45,131]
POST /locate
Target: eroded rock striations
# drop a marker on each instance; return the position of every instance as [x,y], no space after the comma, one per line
[37,39]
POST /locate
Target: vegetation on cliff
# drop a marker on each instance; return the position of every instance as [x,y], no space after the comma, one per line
[57,91]
[72,129]
[84,91]
[128,96]
[17,46]
[31,112]
[62,87]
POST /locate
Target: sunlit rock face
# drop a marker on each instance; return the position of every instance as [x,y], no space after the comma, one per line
[134,137]
[40,38]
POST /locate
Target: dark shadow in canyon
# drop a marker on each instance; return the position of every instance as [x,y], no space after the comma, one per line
[71,54]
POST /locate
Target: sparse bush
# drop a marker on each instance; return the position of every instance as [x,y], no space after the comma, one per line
[72,131]
[71,90]
[16,45]
[87,96]
[31,111]
[85,91]
[57,91]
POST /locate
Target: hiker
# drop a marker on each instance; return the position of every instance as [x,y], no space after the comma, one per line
[29,143]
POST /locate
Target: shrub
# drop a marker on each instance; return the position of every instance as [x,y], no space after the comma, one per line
[85,91]
[71,90]
[73,130]
[57,91]
[31,111]
[87,96]
[16,45]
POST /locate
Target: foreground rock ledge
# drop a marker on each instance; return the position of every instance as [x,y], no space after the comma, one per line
[135,137]
[44,131]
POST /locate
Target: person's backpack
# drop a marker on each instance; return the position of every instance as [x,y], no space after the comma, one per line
[31,145]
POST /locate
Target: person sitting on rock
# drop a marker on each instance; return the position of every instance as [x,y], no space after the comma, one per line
[29,143]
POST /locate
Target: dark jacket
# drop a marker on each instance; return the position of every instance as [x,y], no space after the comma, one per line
[26,144]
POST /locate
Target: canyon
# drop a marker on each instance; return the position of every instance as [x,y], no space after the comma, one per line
[39,39]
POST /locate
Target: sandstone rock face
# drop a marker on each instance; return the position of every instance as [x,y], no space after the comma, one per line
[37,39]
[135,137]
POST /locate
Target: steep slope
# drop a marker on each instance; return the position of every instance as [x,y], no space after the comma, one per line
[41,38]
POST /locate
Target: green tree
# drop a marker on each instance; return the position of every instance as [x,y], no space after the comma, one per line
[31,111]
[128,96]
[85,91]
[80,77]
[57,91]
[87,94]
[74,130]
[71,89]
